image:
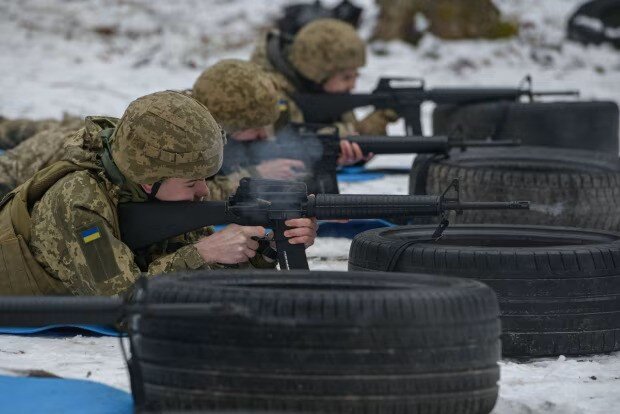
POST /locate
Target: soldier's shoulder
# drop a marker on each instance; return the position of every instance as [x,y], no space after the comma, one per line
[80,188]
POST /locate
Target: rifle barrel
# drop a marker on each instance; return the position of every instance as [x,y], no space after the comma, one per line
[572,92]
[485,143]
[47,310]
[406,144]
[491,205]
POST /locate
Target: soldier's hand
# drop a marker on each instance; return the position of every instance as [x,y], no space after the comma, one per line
[351,153]
[231,245]
[281,169]
[377,122]
[303,230]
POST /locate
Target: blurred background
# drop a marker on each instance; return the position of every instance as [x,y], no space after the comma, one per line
[86,57]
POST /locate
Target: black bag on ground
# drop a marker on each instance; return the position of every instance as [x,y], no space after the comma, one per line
[591,125]
[328,342]
[596,22]
[574,188]
[558,288]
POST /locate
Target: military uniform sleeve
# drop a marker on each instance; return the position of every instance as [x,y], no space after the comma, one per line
[223,186]
[73,238]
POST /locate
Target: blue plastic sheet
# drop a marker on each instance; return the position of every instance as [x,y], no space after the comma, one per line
[27,395]
[351,228]
[357,174]
[65,330]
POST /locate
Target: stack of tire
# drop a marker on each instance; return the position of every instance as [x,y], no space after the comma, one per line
[555,268]
[596,22]
[324,342]
[558,288]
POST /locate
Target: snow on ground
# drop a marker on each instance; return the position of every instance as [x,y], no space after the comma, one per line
[94,56]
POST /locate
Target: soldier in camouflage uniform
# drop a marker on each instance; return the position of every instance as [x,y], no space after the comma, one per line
[59,232]
[324,56]
[40,150]
[244,100]
[15,131]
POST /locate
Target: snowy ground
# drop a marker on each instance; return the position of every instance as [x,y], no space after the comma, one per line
[94,56]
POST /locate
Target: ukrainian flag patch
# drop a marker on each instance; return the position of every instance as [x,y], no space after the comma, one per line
[282,105]
[91,234]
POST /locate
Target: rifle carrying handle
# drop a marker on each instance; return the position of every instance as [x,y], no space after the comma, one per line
[353,206]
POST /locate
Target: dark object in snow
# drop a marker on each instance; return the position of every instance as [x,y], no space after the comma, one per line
[323,342]
[567,187]
[591,125]
[298,15]
[558,287]
[596,22]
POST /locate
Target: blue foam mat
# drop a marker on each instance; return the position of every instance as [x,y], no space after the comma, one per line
[65,330]
[351,228]
[357,174]
[27,395]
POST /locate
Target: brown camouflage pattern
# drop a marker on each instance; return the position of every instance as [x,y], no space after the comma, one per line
[15,131]
[165,135]
[325,47]
[238,94]
[88,198]
[42,149]
[376,122]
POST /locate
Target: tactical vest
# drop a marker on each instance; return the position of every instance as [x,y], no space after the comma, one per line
[20,273]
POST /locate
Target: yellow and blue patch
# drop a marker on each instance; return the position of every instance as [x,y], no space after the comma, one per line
[282,105]
[91,234]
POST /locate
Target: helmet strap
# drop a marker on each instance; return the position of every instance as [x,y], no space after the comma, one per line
[112,171]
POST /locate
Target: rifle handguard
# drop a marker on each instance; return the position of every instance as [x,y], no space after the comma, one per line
[354,206]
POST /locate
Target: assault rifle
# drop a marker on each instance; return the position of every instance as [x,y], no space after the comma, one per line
[269,203]
[318,146]
[406,100]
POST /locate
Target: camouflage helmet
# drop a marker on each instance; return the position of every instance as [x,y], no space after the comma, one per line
[164,135]
[326,46]
[238,94]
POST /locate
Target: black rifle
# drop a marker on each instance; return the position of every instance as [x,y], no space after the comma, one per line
[322,178]
[407,100]
[269,203]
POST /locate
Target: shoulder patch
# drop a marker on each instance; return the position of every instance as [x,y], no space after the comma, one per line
[282,105]
[98,252]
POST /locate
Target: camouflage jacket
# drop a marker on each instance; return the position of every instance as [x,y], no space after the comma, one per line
[75,235]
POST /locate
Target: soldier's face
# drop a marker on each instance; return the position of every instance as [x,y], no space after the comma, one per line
[341,82]
[252,134]
[180,189]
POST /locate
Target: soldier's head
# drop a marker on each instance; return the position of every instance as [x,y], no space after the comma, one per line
[240,96]
[328,52]
[168,143]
